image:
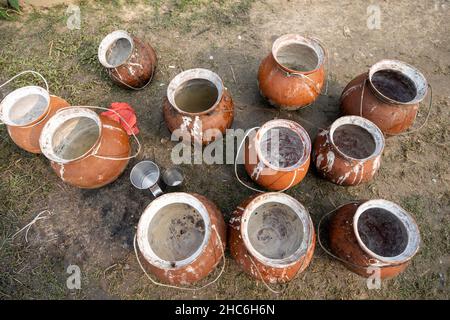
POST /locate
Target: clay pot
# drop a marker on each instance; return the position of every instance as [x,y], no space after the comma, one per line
[278,156]
[130,62]
[349,152]
[86,150]
[198,107]
[271,236]
[181,237]
[374,234]
[391,97]
[25,111]
[292,75]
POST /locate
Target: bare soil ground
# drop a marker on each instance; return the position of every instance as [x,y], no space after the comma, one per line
[94,229]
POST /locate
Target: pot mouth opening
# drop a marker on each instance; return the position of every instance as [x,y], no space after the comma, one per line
[298,54]
[70,135]
[398,82]
[173,230]
[115,49]
[385,231]
[195,91]
[356,138]
[276,229]
[283,145]
[24,106]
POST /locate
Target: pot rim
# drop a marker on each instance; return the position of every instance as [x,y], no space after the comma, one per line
[56,121]
[106,43]
[302,214]
[404,217]
[293,126]
[291,38]
[11,99]
[407,70]
[364,123]
[191,74]
[152,210]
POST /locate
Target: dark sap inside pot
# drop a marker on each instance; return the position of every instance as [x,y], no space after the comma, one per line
[354,141]
[281,147]
[394,85]
[196,95]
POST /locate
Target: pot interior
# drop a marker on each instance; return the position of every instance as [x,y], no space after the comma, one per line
[75,137]
[196,95]
[176,232]
[275,230]
[395,85]
[382,232]
[119,51]
[297,57]
[354,141]
[281,147]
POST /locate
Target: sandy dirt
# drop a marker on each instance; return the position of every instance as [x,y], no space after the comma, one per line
[94,229]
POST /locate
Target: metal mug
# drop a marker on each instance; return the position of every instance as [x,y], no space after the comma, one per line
[145,175]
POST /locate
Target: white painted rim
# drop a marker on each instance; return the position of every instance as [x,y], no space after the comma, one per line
[404,217]
[294,127]
[151,211]
[368,125]
[288,39]
[408,71]
[106,44]
[192,74]
[11,99]
[56,121]
[298,208]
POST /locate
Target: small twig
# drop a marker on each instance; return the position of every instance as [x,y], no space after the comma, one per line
[232,72]
[202,31]
[51,48]
[109,268]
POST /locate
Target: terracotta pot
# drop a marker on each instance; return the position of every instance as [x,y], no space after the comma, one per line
[374,234]
[391,97]
[25,111]
[292,75]
[278,156]
[271,236]
[178,237]
[349,152]
[130,62]
[86,150]
[198,107]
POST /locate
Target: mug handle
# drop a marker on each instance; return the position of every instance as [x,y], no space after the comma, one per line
[156,190]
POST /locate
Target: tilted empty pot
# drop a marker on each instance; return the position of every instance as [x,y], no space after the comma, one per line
[374,235]
[293,74]
[130,62]
[388,94]
[198,107]
[278,156]
[349,152]
[181,237]
[271,236]
[26,110]
[86,150]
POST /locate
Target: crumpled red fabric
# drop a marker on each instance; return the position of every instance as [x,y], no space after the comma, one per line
[127,113]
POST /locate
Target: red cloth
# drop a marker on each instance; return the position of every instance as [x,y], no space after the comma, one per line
[127,113]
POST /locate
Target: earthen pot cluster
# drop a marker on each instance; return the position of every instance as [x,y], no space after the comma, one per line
[374,238]
[130,61]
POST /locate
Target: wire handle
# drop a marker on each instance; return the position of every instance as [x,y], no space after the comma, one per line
[237,175]
[122,118]
[184,288]
[126,84]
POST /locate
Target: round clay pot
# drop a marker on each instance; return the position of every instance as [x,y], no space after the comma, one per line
[86,150]
[349,152]
[374,234]
[130,62]
[178,238]
[198,107]
[271,236]
[25,111]
[391,97]
[292,75]
[278,156]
